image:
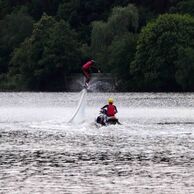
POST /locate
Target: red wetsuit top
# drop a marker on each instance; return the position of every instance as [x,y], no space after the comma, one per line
[111,110]
[88,65]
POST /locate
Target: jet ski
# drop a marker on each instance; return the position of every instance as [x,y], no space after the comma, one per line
[104,120]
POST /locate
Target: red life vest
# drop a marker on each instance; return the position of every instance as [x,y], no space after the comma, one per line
[110,110]
[87,65]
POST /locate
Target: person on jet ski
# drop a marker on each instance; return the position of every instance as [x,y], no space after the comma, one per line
[110,108]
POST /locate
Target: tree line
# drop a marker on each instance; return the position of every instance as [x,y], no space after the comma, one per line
[147,45]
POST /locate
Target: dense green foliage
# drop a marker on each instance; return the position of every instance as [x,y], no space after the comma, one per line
[44,59]
[159,45]
[147,45]
[185,68]
[186,6]
[113,42]
[14,28]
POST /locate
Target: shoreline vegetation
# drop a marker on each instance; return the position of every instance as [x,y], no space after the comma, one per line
[145,46]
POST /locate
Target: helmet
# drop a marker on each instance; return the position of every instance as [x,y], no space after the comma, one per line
[110,100]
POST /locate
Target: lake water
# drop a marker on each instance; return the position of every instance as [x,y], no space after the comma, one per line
[151,152]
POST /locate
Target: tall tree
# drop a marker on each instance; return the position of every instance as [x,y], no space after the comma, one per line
[185,68]
[14,28]
[186,7]
[157,50]
[122,21]
[47,57]
[37,8]
[80,14]
[121,54]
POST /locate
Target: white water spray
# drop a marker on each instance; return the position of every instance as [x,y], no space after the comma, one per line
[79,114]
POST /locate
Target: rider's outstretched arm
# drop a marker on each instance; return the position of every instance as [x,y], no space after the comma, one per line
[104,107]
[95,68]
